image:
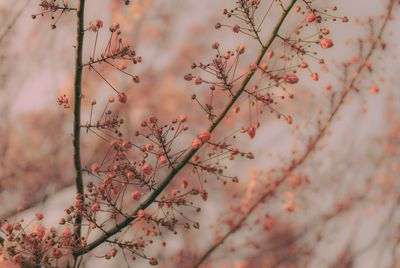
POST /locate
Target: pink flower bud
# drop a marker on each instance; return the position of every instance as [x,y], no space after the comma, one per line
[198,80]
[142,215]
[303,65]
[95,207]
[66,233]
[240,49]
[251,131]
[162,159]
[264,66]
[215,45]
[325,31]
[310,17]
[57,253]
[152,119]
[122,97]
[39,216]
[204,135]
[39,230]
[17,259]
[252,67]
[236,28]
[126,144]
[95,168]
[122,66]
[188,77]
[7,227]
[147,169]
[326,43]
[96,25]
[196,143]
[182,118]
[315,76]
[135,195]
[149,147]
[290,78]
[374,89]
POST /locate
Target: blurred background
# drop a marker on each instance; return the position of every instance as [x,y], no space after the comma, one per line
[344,199]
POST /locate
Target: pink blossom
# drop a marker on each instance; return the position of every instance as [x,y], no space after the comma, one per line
[198,80]
[236,28]
[95,168]
[374,89]
[188,77]
[17,258]
[252,67]
[310,17]
[135,195]
[315,76]
[96,25]
[39,230]
[66,233]
[251,131]
[196,143]
[147,169]
[39,216]
[290,78]
[204,135]
[7,227]
[95,207]
[149,147]
[182,118]
[122,97]
[240,49]
[326,43]
[162,159]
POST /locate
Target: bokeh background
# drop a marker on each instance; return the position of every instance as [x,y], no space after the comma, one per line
[353,173]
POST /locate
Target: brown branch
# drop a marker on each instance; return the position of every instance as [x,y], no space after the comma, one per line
[287,171]
[192,152]
[77,111]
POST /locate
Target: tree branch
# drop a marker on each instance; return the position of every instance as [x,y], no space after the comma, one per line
[192,152]
[287,171]
[77,111]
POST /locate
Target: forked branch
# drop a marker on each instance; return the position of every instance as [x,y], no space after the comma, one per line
[150,200]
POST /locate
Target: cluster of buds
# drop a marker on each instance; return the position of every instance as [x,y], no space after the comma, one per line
[54,8]
[245,12]
[32,244]
[116,55]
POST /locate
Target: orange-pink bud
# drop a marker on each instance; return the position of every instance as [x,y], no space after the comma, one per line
[122,97]
[310,17]
[135,195]
[147,169]
[290,78]
[196,143]
[251,131]
[95,168]
[204,135]
[326,43]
